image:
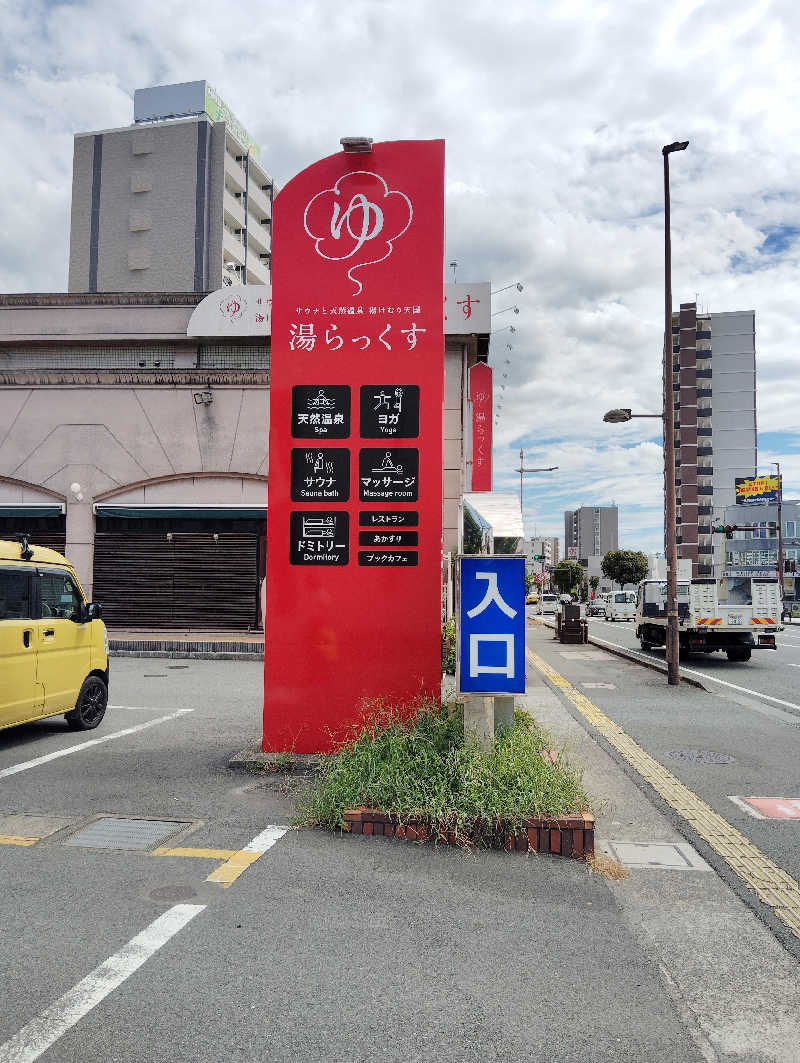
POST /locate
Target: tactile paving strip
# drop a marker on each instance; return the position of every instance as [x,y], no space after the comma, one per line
[112,833]
[770,883]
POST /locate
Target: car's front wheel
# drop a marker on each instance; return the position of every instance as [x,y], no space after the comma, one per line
[90,708]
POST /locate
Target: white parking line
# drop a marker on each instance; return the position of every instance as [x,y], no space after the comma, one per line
[139,708]
[26,764]
[43,1031]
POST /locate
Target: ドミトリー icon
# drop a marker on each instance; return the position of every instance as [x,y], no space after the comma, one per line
[319,537]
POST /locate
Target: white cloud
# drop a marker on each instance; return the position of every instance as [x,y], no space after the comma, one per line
[554,117]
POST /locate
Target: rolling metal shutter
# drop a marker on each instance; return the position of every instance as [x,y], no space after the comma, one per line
[144,580]
[42,531]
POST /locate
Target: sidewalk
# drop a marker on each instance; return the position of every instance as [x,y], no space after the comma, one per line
[735,987]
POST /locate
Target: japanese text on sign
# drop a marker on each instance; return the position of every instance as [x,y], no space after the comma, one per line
[492,625]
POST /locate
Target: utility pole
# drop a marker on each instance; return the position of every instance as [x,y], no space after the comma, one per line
[777,464]
[522,469]
[670,526]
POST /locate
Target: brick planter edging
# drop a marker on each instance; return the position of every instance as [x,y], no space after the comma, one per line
[562,835]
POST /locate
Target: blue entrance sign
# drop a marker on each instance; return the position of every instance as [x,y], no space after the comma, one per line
[491,638]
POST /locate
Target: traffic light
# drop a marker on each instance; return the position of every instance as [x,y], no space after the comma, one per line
[538,557]
[728,529]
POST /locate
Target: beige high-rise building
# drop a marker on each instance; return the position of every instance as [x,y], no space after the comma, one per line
[176,202]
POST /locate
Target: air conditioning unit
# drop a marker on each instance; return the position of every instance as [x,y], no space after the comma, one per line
[237,195]
[237,232]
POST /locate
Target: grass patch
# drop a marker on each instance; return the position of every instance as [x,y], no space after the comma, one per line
[423,767]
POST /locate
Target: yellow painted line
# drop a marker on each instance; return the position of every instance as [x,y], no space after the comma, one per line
[228,872]
[17,839]
[770,883]
[203,854]
[238,862]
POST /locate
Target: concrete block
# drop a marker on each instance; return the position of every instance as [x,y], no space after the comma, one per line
[479,719]
[503,712]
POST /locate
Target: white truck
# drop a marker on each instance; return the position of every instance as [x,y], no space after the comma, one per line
[711,616]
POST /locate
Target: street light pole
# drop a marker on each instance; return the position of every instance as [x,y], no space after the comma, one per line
[670,526]
[522,469]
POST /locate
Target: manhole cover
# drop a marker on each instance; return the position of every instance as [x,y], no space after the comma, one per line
[172,894]
[701,756]
[125,833]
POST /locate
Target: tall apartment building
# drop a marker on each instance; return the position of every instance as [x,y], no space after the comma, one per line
[176,202]
[714,386]
[590,531]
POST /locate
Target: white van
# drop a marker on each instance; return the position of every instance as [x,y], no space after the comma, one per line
[621,605]
[548,603]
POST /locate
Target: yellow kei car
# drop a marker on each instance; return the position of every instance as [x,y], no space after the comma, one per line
[53,644]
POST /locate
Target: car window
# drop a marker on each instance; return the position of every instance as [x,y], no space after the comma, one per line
[60,597]
[15,602]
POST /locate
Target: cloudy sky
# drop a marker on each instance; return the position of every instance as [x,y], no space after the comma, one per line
[554,116]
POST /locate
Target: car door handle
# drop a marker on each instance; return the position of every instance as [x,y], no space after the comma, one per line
[48,631]
[26,638]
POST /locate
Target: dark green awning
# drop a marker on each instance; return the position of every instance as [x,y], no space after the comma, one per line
[174,512]
[32,509]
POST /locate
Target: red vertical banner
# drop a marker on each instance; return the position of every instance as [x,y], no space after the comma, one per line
[355,446]
[480,395]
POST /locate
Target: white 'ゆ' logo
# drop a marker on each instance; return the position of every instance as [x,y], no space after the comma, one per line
[359,219]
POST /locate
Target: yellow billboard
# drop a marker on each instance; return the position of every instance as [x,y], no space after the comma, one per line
[757,490]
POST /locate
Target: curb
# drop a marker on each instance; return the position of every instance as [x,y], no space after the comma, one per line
[253,760]
[571,836]
[197,655]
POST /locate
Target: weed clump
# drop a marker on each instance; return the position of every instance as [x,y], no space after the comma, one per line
[422,767]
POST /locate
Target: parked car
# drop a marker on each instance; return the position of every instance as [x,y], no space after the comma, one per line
[532,598]
[53,644]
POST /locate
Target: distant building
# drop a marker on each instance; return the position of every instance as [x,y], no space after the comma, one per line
[176,202]
[590,531]
[714,384]
[754,550]
[547,548]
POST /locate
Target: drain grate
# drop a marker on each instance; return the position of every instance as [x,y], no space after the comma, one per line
[113,833]
[701,756]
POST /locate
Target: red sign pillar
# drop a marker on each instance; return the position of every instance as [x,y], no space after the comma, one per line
[355,444]
[480,395]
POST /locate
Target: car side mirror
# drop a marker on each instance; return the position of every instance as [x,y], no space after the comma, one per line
[92,611]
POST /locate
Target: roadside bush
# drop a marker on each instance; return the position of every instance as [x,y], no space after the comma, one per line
[424,768]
